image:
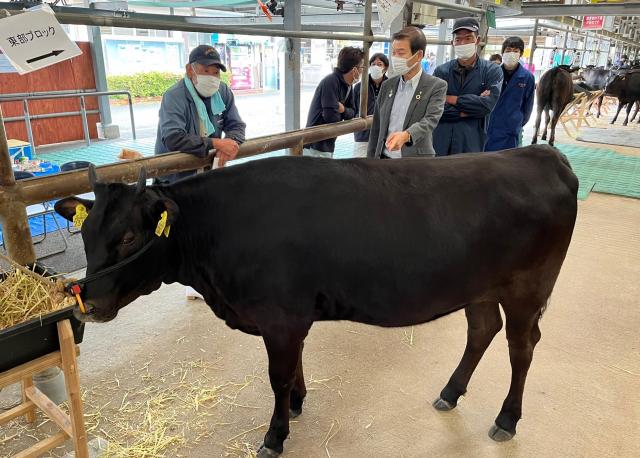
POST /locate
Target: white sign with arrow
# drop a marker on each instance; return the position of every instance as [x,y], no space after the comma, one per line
[34,40]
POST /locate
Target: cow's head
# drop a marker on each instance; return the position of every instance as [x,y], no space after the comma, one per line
[615,83]
[121,223]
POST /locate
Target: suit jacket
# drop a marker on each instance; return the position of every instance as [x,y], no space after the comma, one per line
[422,117]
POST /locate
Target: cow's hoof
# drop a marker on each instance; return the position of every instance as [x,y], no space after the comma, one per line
[264,452]
[500,435]
[295,413]
[442,405]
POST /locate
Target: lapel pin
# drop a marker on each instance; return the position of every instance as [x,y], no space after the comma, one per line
[418,96]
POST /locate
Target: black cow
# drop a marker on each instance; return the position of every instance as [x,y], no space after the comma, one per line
[554,92]
[626,87]
[277,244]
[597,79]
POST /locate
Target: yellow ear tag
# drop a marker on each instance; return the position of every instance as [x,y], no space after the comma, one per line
[166,231]
[162,223]
[80,216]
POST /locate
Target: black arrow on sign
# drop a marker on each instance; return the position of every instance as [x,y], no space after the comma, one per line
[44,56]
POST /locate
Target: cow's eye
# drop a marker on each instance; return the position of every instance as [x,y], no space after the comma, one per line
[128,239]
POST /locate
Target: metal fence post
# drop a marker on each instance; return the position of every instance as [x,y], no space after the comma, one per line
[85,123]
[27,122]
[133,123]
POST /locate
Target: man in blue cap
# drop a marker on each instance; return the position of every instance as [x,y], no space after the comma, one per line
[474,86]
[196,112]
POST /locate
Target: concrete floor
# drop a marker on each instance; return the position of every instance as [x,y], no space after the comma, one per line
[373,387]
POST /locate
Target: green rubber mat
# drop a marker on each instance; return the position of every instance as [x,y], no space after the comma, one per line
[603,170]
[598,169]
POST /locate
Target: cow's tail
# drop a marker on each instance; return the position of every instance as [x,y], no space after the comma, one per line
[547,90]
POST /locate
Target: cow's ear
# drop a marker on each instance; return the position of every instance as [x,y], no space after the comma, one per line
[165,205]
[173,211]
[68,207]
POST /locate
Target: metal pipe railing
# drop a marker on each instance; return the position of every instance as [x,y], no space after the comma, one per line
[449,5]
[19,95]
[50,115]
[27,117]
[34,190]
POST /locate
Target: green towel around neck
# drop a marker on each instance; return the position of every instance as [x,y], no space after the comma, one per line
[217,106]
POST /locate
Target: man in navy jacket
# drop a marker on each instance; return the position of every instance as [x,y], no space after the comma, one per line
[515,104]
[474,86]
[333,99]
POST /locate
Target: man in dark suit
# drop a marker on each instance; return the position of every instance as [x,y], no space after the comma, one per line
[410,103]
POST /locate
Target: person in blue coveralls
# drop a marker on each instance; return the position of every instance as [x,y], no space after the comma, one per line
[515,104]
[474,86]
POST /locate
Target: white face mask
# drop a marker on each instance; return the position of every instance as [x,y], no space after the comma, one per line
[510,59]
[465,51]
[207,85]
[400,65]
[376,72]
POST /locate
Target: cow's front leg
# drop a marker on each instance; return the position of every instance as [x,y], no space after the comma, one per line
[284,348]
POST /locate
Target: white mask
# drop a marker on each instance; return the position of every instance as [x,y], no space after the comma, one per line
[400,66]
[465,51]
[376,72]
[207,85]
[510,59]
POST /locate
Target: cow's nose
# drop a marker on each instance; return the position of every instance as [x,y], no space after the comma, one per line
[87,316]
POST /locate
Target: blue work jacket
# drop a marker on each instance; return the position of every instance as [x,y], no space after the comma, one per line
[512,111]
[456,134]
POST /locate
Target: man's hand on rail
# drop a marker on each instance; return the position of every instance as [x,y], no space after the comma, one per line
[226,150]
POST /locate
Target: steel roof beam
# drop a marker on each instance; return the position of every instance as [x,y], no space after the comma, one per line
[541,10]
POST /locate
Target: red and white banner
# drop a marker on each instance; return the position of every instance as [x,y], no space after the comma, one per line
[592,22]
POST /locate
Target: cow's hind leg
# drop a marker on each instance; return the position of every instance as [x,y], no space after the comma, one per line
[629,107]
[283,348]
[523,334]
[554,122]
[546,123]
[534,140]
[299,390]
[484,322]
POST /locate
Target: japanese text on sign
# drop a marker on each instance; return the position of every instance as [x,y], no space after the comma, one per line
[23,38]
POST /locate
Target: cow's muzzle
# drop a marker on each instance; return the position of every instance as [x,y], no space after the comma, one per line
[89,314]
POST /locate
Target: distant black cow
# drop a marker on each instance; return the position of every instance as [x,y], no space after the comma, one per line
[554,92]
[277,244]
[626,87]
[597,79]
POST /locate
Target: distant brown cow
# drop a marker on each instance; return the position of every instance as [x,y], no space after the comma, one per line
[554,92]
